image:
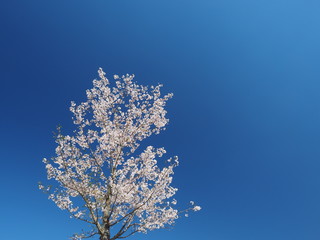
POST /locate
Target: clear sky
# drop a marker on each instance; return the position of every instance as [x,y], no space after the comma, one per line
[245,118]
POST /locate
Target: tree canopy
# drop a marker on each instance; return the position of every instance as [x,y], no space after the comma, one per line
[101,175]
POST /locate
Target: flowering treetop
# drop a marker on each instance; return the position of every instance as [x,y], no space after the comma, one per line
[102,178]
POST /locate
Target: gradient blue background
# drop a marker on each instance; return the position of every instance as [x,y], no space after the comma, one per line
[245,119]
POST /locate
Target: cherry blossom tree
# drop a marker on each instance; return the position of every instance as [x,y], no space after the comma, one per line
[100,174]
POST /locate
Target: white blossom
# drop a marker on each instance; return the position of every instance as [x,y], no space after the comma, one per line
[196,208]
[102,177]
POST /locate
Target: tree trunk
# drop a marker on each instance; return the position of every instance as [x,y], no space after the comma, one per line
[104,238]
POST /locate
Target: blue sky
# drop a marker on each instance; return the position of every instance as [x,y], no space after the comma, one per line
[245,118]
